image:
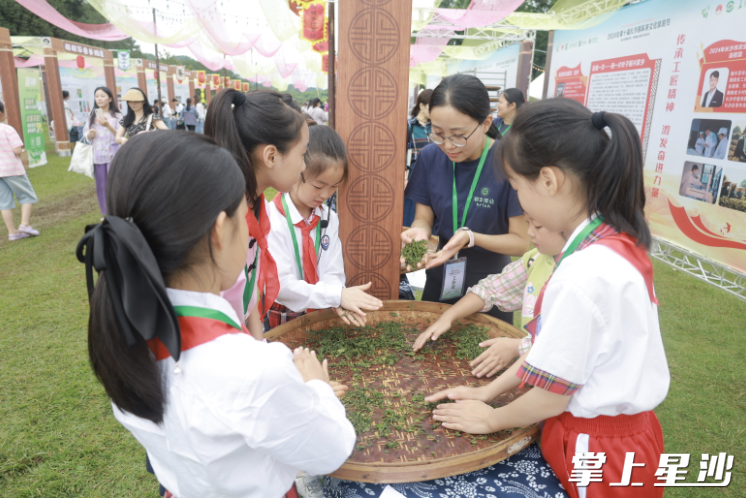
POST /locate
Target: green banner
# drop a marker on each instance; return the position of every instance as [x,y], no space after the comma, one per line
[29,92]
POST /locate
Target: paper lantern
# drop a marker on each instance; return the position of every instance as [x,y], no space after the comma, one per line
[215,80]
[237,85]
[325,63]
[227,82]
[201,77]
[313,21]
[80,61]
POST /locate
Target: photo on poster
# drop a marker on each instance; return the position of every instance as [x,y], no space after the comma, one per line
[560,90]
[733,191]
[737,150]
[709,138]
[713,91]
[700,181]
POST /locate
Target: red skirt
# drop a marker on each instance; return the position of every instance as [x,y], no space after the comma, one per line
[615,436]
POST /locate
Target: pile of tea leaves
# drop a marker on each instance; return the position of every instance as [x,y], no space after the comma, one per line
[413,252]
[366,359]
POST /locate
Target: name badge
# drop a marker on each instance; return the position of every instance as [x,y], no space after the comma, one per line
[325,242]
[454,273]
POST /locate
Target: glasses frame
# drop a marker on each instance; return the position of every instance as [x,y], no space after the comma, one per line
[466,138]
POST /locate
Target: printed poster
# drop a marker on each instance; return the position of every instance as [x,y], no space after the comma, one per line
[30,97]
[125,80]
[82,84]
[677,70]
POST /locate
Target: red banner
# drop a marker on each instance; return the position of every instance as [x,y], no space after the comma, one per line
[571,84]
[201,77]
[227,82]
[246,87]
[215,80]
[722,81]
[313,21]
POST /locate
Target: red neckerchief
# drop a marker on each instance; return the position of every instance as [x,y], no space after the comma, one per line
[621,243]
[195,331]
[310,268]
[269,285]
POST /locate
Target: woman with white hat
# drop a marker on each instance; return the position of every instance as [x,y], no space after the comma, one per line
[140,116]
[722,149]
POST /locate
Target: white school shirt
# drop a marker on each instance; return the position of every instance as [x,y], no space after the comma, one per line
[600,330]
[710,143]
[699,146]
[239,420]
[722,149]
[295,293]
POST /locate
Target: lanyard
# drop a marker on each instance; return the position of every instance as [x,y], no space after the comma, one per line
[580,238]
[471,191]
[295,240]
[506,129]
[249,289]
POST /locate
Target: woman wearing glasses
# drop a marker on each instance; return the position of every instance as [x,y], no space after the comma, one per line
[459,191]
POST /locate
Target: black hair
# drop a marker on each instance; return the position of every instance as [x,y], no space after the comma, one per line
[514,96]
[174,100]
[240,122]
[609,168]
[716,74]
[2,106]
[129,118]
[325,149]
[694,166]
[468,95]
[422,98]
[175,219]
[65,94]
[188,104]
[315,101]
[113,108]
[288,99]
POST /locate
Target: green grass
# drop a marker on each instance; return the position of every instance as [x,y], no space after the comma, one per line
[58,437]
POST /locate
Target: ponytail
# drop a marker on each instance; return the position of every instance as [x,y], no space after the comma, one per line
[493,132]
[422,98]
[157,228]
[240,122]
[609,168]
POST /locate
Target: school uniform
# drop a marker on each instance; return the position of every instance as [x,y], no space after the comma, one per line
[597,338]
[239,420]
[492,204]
[313,277]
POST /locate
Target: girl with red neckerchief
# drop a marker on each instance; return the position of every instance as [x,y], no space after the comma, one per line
[268,138]
[597,363]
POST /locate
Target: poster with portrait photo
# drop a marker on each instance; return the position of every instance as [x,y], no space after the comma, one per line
[700,181]
[733,190]
[714,88]
[560,90]
[705,137]
[737,149]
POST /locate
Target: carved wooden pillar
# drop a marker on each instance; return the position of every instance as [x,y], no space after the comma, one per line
[109,74]
[142,83]
[9,82]
[523,79]
[190,78]
[371,110]
[170,84]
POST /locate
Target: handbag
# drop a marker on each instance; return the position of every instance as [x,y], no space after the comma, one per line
[82,159]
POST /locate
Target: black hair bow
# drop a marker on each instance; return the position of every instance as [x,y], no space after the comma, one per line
[134,281]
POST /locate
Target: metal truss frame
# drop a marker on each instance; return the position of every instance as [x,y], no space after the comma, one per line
[720,276]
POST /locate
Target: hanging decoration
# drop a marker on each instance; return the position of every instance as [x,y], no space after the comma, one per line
[104,32]
[313,21]
[201,78]
[227,82]
[180,74]
[80,61]
[123,59]
[237,85]
[215,80]
[325,63]
[246,86]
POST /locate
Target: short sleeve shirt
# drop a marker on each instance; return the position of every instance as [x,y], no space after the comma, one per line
[136,128]
[494,201]
[10,164]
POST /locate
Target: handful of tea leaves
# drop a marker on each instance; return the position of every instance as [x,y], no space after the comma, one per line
[413,252]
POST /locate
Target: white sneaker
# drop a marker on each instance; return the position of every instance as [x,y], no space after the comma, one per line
[309,486]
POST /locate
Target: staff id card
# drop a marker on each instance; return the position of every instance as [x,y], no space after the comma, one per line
[454,276]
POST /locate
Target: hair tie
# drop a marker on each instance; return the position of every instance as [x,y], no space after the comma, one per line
[133,280]
[238,99]
[598,120]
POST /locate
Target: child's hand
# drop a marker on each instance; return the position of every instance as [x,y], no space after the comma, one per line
[470,416]
[501,352]
[355,300]
[460,393]
[350,318]
[412,235]
[309,367]
[339,388]
[433,332]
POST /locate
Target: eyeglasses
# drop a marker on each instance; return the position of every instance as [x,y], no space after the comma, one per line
[456,140]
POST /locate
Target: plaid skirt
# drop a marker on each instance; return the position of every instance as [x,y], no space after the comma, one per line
[279,314]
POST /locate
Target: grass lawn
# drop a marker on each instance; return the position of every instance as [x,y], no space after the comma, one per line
[58,437]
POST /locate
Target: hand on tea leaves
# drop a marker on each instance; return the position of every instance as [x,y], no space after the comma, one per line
[471,416]
[434,331]
[339,388]
[458,241]
[354,301]
[500,353]
[410,236]
[309,366]
[460,393]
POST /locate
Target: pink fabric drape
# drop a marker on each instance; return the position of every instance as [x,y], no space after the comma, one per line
[429,49]
[105,32]
[33,61]
[480,13]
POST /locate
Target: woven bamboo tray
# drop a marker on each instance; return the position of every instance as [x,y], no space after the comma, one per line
[438,452]
[432,246]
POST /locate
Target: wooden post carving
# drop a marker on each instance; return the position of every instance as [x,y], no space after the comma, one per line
[9,82]
[371,110]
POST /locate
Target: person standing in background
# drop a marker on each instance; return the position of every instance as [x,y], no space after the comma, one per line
[72,130]
[710,143]
[507,107]
[189,114]
[699,145]
[418,129]
[101,129]
[168,115]
[317,113]
[140,117]
[201,113]
[722,149]
[13,181]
